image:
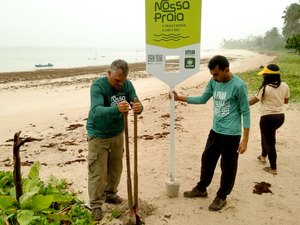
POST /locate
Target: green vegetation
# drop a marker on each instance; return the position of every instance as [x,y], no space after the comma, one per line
[273,40]
[289,65]
[293,43]
[41,203]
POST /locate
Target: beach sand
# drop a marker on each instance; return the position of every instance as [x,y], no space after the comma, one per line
[53,107]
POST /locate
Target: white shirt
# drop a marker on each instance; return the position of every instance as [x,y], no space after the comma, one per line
[273,100]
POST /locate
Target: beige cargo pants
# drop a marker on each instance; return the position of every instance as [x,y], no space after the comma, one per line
[105,163]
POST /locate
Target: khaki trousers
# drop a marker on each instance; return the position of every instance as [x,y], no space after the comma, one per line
[105,165]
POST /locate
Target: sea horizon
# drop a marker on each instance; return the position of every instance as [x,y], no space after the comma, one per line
[18,59]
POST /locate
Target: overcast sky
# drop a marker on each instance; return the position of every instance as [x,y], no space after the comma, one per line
[121,23]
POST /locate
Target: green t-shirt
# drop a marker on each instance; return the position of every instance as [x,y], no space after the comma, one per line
[230,104]
[104,119]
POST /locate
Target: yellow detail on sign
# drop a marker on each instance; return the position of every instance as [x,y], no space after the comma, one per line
[173,23]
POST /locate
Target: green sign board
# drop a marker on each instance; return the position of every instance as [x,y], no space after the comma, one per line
[173,30]
[173,23]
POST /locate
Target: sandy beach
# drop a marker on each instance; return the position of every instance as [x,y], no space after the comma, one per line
[53,106]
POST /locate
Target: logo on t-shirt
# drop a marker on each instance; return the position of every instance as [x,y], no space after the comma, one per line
[222,107]
[116,99]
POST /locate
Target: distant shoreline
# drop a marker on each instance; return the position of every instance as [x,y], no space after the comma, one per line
[41,74]
[7,77]
[137,70]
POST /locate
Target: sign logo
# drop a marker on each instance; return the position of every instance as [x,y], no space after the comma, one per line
[189,63]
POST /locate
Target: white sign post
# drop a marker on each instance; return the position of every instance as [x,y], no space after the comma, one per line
[173,29]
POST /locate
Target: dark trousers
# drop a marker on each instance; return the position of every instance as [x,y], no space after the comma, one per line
[268,126]
[225,146]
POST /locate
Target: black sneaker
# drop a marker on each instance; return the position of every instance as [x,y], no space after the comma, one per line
[97,214]
[116,201]
[217,204]
[195,193]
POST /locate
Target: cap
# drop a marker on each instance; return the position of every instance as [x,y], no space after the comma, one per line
[270,69]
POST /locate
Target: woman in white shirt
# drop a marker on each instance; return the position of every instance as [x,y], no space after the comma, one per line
[272,95]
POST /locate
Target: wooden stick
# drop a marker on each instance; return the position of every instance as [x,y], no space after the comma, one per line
[135,180]
[129,187]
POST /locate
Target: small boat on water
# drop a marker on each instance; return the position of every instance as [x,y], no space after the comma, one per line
[44,65]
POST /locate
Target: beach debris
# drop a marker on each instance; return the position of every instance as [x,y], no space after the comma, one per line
[6,145]
[57,135]
[262,187]
[155,136]
[27,163]
[73,161]
[28,139]
[179,118]
[167,115]
[30,163]
[161,135]
[50,145]
[62,149]
[5,160]
[74,126]
[70,162]
[69,142]
[148,99]
[146,137]
[165,125]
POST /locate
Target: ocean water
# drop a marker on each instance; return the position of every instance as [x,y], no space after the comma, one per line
[13,59]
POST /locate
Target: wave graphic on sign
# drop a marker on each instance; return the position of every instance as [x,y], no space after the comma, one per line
[169,37]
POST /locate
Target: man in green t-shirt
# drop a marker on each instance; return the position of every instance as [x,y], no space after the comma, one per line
[111,97]
[231,105]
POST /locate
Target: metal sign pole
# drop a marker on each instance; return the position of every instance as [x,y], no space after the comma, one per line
[172,184]
[172,137]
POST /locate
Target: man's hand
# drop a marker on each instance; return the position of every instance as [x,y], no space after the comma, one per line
[136,106]
[244,142]
[123,106]
[177,97]
[242,147]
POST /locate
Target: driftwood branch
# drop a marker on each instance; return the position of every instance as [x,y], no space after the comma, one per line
[18,142]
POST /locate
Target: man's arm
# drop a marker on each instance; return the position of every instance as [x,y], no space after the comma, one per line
[244,142]
[206,95]
[179,98]
[97,104]
[245,109]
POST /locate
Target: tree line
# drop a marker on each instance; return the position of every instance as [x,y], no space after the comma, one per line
[273,39]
